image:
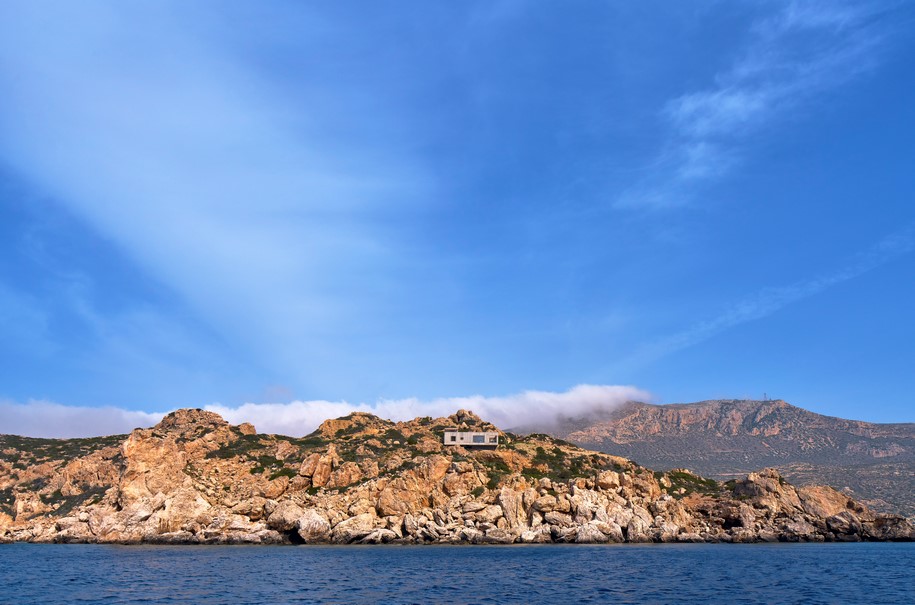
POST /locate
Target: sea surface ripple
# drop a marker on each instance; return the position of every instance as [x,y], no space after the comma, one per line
[204,575]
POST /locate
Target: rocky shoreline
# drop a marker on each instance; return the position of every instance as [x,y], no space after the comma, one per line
[195,479]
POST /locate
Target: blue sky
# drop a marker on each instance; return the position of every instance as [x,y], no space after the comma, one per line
[230,203]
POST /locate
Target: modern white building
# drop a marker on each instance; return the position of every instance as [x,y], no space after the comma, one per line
[475,439]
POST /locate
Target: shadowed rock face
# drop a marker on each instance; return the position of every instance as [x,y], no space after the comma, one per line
[874,463]
[193,478]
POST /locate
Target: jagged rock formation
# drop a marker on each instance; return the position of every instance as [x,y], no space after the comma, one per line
[873,463]
[194,478]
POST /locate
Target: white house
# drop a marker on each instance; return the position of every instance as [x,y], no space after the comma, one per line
[476,439]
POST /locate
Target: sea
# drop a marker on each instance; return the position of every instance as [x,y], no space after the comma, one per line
[866,573]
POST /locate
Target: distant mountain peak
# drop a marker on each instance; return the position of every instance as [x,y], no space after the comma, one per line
[727,437]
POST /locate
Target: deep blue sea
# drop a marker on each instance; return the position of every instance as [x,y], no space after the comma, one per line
[567,574]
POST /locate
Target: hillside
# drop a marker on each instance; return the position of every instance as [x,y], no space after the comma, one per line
[725,438]
[194,478]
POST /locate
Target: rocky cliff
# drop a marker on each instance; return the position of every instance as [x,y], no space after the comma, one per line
[874,463]
[193,478]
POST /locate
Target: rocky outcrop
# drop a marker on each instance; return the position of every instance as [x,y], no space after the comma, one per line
[194,478]
[875,463]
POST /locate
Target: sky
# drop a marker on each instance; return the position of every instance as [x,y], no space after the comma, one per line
[288,210]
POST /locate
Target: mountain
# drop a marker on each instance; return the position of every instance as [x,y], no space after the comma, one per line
[194,478]
[727,438]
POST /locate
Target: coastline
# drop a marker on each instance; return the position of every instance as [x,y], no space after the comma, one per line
[195,479]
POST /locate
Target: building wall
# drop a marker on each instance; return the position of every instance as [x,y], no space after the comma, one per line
[471,438]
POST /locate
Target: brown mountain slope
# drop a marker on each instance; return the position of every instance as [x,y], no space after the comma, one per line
[194,478]
[727,438]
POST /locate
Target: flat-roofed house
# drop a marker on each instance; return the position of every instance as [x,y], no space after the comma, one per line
[474,439]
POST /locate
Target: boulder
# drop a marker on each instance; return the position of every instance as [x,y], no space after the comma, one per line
[537,535]
[590,534]
[354,528]
[822,501]
[285,516]
[490,514]
[313,527]
[557,518]
[608,480]
[347,474]
[512,505]
[844,524]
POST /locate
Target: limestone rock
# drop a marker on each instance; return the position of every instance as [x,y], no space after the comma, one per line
[354,528]
[313,527]
[590,534]
[347,474]
[285,516]
[195,479]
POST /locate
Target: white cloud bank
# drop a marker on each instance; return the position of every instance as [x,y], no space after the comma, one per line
[529,408]
[48,419]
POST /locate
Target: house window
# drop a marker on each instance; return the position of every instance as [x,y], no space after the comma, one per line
[479,438]
[454,437]
[494,440]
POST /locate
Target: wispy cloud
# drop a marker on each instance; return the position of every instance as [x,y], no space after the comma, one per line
[792,59]
[530,408]
[256,200]
[770,300]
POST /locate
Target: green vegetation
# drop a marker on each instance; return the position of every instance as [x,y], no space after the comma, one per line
[308,442]
[691,484]
[6,501]
[553,459]
[477,491]
[534,473]
[64,505]
[243,446]
[543,437]
[34,485]
[349,455]
[349,431]
[394,435]
[277,467]
[33,450]
[268,461]
[199,433]
[609,465]
[283,472]
[496,469]
[250,449]
[495,464]
[560,466]
[51,498]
